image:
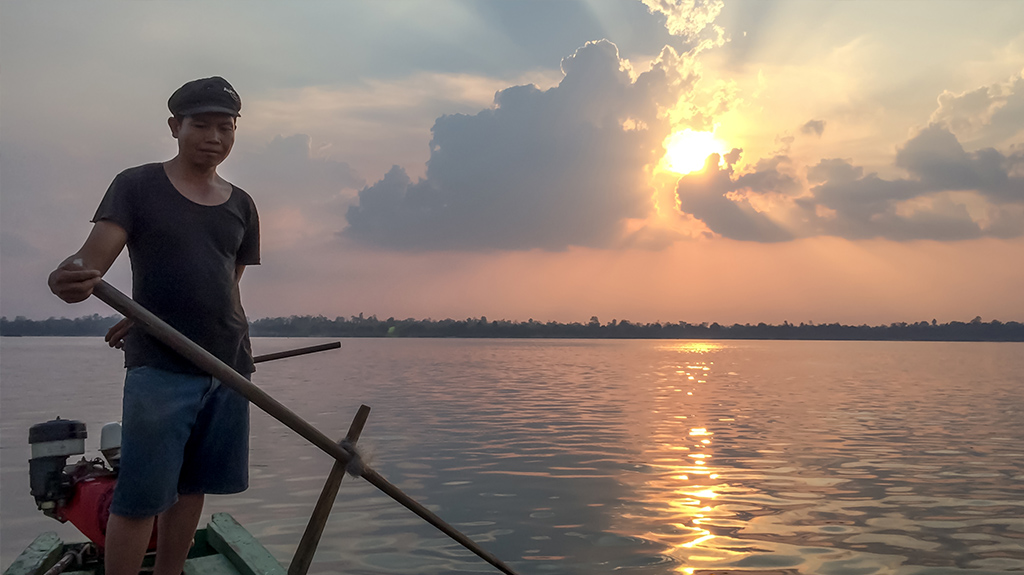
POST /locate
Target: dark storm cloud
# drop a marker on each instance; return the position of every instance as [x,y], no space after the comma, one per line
[543,169]
[704,195]
[816,127]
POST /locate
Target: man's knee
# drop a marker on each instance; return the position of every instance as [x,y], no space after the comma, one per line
[121,528]
[188,501]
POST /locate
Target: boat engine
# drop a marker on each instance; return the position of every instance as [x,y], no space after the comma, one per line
[52,443]
[80,493]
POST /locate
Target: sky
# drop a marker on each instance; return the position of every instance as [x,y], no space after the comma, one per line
[740,161]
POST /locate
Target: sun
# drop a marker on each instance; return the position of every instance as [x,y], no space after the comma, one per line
[687,151]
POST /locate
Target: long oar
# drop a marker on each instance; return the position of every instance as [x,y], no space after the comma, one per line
[231,378]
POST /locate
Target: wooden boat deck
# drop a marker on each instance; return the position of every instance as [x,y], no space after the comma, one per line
[223,548]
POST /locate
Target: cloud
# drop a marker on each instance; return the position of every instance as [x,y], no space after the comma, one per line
[938,160]
[991,114]
[709,196]
[287,171]
[542,169]
[950,194]
[687,18]
[834,170]
[871,207]
[299,194]
[814,127]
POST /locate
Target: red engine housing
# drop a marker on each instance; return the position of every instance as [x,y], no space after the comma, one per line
[89,508]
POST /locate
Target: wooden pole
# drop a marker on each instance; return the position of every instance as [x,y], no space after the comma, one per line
[318,520]
[229,377]
[295,352]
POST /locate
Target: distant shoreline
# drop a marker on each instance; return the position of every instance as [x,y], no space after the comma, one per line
[472,328]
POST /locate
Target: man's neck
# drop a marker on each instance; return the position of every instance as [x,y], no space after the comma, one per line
[192,173]
[197,183]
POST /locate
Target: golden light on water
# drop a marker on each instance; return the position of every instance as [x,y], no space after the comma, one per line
[698,541]
[685,486]
[687,151]
[693,347]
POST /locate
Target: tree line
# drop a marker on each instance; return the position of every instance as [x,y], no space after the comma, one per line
[359,326]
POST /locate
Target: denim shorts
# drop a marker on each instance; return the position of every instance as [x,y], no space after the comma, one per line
[181,434]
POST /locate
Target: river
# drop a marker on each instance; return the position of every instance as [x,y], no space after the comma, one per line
[580,457]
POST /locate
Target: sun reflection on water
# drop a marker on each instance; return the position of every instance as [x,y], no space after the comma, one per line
[788,470]
[685,492]
[694,347]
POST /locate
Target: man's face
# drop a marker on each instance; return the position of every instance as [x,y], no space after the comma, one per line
[204,139]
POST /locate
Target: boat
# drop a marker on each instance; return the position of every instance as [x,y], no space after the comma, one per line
[80,493]
[223,547]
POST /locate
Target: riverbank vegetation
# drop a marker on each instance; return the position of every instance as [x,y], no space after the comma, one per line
[359,326]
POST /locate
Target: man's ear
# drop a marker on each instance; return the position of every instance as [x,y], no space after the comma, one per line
[174,125]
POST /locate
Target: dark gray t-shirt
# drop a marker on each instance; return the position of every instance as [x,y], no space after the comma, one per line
[183,257]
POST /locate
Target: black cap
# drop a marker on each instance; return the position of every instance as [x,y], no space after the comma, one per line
[203,96]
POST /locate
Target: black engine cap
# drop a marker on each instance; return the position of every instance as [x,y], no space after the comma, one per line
[56,430]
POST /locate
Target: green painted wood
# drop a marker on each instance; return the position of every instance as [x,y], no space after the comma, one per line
[210,565]
[240,547]
[200,546]
[39,556]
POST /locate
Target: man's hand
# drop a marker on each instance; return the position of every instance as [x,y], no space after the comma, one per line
[74,279]
[115,335]
[73,283]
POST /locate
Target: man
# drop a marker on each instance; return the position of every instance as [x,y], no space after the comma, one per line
[190,235]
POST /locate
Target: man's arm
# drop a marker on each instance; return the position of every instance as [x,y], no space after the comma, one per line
[239,269]
[74,280]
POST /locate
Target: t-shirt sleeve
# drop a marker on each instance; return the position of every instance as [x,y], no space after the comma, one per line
[249,250]
[115,206]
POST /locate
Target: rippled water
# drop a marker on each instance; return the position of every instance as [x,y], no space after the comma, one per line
[842,458]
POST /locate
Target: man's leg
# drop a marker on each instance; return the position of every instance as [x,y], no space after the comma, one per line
[175,528]
[126,543]
[158,412]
